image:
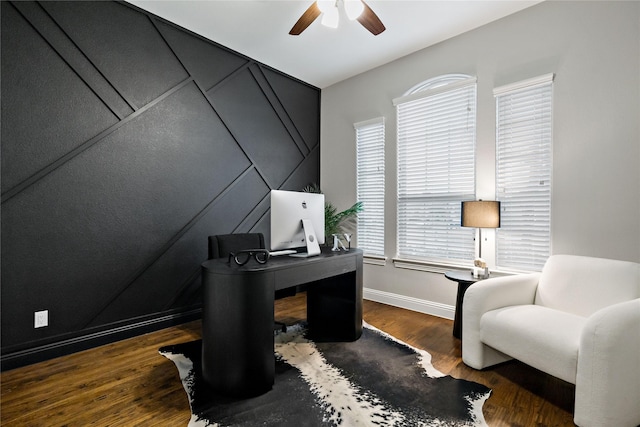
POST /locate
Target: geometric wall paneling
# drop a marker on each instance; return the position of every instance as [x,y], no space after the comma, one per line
[256,126]
[242,204]
[76,59]
[112,209]
[38,124]
[253,223]
[307,172]
[125,46]
[258,221]
[237,204]
[126,141]
[278,108]
[207,63]
[162,281]
[299,103]
[216,164]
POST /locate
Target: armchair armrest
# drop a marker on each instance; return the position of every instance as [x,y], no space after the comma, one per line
[608,376]
[486,295]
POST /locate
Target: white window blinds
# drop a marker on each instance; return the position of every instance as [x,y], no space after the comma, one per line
[436,169]
[523,172]
[370,176]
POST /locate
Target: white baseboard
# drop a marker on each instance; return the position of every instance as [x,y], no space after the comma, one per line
[410,303]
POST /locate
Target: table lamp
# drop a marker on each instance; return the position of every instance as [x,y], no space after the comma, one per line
[480,214]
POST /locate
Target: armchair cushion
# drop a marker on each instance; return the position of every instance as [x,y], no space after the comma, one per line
[538,336]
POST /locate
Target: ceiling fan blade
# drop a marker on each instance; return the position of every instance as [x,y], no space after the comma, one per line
[370,20]
[306,19]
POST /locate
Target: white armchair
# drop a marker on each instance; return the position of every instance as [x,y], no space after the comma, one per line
[578,320]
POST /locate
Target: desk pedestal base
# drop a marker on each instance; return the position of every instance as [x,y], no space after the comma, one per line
[237,335]
[334,309]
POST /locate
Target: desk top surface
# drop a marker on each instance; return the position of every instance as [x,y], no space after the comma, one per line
[222,266]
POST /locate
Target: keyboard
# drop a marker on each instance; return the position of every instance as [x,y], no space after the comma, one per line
[283,252]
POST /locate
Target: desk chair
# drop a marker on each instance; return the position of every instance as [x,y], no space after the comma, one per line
[221,245]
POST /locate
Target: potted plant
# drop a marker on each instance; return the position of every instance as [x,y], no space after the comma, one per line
[336,222]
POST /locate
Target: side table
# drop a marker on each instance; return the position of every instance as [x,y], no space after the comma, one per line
[464,279]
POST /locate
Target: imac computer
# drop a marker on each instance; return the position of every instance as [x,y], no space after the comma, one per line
[297,221]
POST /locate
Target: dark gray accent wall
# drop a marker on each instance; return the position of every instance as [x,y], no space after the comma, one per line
[125,142]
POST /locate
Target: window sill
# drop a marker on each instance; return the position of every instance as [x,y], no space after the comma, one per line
[429,266]
[443,267]
[375,260]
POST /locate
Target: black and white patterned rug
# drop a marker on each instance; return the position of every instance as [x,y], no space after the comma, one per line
[375,381]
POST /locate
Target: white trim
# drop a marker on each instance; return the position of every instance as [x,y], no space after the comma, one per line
[430,267]
[437,81]
[369,122]
[524,84]
[410,303]
[374,259]
[436,90]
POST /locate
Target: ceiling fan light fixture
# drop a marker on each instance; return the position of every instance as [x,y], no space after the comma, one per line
[331,17]
[353,8]
[325,5]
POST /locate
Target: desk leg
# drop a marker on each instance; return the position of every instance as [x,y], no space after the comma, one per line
[334,308]
[237,333]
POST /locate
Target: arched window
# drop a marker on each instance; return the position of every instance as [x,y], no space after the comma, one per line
[436,124]
[439,82]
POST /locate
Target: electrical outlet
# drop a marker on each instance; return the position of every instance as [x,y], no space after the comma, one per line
[41,319]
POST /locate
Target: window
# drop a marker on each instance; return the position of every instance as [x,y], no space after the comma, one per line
[523,172]
[370,166]
[436,168]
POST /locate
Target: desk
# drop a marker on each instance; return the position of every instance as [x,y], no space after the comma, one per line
[237,319]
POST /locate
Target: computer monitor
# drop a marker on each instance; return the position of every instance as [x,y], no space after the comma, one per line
[297,221]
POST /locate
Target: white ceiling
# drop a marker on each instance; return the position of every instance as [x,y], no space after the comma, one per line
[323,56]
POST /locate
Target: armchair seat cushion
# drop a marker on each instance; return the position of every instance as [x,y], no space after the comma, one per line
[541,337]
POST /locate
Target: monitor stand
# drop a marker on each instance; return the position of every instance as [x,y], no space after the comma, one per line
[313,248]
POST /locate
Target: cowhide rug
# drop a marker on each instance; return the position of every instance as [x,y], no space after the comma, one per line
[375,381]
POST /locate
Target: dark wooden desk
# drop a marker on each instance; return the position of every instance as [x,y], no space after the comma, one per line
[237,322]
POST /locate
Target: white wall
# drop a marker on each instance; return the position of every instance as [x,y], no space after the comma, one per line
[594,50]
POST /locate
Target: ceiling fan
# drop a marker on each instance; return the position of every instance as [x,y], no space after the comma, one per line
[355,9]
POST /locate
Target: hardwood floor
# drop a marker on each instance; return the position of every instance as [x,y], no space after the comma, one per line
[129,383]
